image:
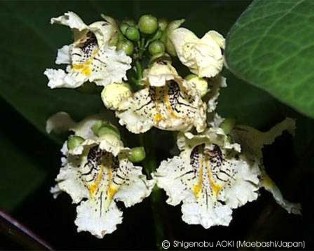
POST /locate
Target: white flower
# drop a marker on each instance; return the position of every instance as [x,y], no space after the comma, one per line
[91,57]
[203,56]
[169,104]
[96,174]
[252,142]
[209,177]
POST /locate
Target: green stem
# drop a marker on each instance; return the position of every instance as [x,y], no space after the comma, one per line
[157,214]
[139,70]
[150,165]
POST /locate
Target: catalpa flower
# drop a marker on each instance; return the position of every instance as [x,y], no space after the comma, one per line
[96,172]
[167,102]
[252,141]
[203,55]
[92,57]
[210,177]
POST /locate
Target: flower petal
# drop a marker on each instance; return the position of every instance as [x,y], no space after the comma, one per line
[193,213]
[111,143]
[202,56]
[64,55]
[252,142]
[91,218]
[208,178]
[59,122]
[168,178]
[159,73]
[69,181]
[215,84]
[70,19]
[270,186]
[214,36]
[173,107]
[136,187]
[60,79]
[104,31]
[109,66]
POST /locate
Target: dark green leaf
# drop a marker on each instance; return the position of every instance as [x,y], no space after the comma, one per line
[271,46]
[20,175]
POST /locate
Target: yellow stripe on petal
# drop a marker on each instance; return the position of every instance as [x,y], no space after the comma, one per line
[93,188]
[85,68]
[197,189]
[158,117]
[112,190]
[214,186]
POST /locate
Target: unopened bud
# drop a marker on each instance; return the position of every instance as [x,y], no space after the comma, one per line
[148,24]
[137,154]
[156,47]
[126,46]
[132,33]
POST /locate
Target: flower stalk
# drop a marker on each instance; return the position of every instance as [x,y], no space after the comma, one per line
[150,165]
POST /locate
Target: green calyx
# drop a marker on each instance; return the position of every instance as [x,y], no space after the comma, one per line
[74,141]
[137,154]
[102,128]
[227,125]
[162,24]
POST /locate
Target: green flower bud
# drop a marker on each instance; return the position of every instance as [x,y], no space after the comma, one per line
[137,154]
[108,129]
[127,46]
[74,141]
[124,27]
[162,24]
[132,33]
[227,125]
[148,24]
[156,47]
